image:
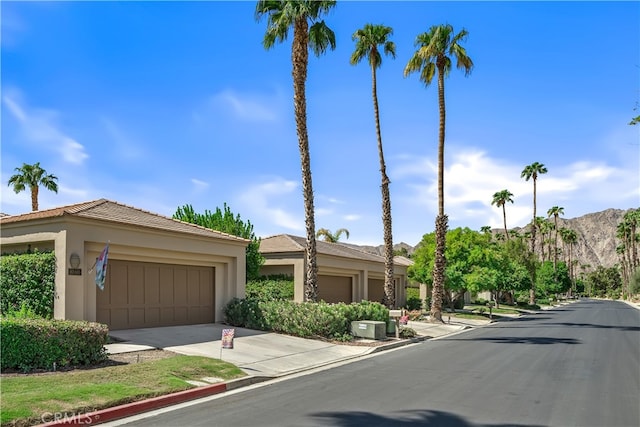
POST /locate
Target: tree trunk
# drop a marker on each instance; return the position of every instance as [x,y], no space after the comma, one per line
[389,287]
[441,220]
[300,60]
[34,197]
[504,218]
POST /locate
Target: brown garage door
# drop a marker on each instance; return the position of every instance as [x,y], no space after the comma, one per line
[141,295]
[376,290]
[334,289]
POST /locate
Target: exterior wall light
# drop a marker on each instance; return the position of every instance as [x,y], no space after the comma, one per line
[74,260]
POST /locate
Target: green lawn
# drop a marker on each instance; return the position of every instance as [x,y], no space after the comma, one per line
[29,397]
[503,309]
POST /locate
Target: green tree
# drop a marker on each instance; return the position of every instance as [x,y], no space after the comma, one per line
[500,198]
[603,281]
[436,48]
[309,32]
[330,237]
[225,221]
[551,280]
[555,211]
[369,41]
[32,177]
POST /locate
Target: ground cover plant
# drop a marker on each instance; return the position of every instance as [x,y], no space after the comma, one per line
[34,399]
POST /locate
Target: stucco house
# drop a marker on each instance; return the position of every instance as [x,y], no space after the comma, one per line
[160,271]
[345,274]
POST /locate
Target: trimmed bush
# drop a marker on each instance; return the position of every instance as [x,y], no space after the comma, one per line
[270,288]
[29,343]
[308,320]
[28,280]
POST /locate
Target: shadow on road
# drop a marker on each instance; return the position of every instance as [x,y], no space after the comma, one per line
[419,417]
[592,325]
[520,340]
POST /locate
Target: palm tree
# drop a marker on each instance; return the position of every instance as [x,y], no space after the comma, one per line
[569,238]
[555,211]
[299,14]
[435,50]
[531,172]
[330,237]
[500,198]
[368,39]
[33,176]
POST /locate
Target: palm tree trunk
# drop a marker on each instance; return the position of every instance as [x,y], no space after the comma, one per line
[504,218]
[34,197]
[555,246]
[300,60]
[389,288]
[441,220]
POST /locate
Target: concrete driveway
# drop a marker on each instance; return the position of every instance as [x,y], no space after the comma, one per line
[257,353]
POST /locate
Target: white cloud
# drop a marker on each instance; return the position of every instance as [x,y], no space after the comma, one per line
[268,205]
[352,217]
[253,108]
[472,177]
[199,185]
[39,127]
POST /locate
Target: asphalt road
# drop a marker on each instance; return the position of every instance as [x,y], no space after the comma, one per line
[578,365]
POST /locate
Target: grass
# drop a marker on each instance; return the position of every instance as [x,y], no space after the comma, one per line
[28,398]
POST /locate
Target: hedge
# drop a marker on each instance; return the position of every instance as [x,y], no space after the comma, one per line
[35,343]
[331,321]
[28,280]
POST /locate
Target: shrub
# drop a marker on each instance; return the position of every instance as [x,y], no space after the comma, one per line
[406,332]
[270,288]
[414,303]
[28,280]
[29,344]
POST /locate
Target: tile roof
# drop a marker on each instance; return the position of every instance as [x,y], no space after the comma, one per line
[107,210]
[289,243]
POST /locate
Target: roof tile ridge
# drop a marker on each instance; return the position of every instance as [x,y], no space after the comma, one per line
[362,251]
[292,240]
[177,220]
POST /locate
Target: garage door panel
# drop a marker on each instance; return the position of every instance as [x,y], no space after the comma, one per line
[135,288]
[152,315]
[147,294]
[375,290]
[117,292]
[152,285]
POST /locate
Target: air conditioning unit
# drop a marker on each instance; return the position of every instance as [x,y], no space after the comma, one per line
[369,329]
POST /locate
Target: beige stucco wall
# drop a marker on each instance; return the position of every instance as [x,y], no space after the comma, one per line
[359,270]
[76,295]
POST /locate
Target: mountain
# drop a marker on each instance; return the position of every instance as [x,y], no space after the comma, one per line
[596,243]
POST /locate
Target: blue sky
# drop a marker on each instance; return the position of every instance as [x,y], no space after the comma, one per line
[161,104]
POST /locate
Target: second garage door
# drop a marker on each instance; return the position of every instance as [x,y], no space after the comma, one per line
[141,295]
[333,289]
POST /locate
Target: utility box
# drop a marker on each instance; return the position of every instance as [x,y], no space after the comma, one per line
[391,327]
[369,329]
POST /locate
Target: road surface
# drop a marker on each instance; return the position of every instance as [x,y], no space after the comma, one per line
[577,365]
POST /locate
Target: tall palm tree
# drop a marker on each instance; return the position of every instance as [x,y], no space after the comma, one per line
[500,198]
[555,211]
[308,33]
[531,172]
[569,238]
[436,47]
[330,237]
[33,176]
[368,40]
